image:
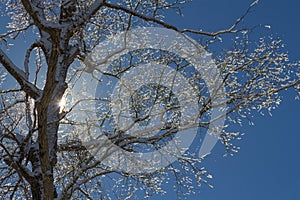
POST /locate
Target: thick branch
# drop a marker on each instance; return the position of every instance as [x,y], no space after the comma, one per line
[21,170]
[85,17]
[37,14]
[20,76]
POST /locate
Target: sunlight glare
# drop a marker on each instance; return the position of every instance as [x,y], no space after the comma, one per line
[62,104]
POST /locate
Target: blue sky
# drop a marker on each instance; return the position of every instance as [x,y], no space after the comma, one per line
[268,164]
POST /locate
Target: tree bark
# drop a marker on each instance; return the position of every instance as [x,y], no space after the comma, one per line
[36,191]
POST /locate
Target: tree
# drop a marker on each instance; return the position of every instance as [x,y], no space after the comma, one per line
[48,122]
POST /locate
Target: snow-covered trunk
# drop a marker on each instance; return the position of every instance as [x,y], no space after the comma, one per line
[48,127]
[36,183]
[48,119]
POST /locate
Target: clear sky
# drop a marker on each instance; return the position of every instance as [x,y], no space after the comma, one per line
[268,164]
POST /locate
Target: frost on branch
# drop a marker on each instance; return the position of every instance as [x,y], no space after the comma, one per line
[41,150]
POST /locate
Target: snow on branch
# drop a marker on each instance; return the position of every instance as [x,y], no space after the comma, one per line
[38,16]
[89,13]
[20,76]
[15,31]
[231,29]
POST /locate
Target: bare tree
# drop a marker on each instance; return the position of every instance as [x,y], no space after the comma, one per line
[43,155]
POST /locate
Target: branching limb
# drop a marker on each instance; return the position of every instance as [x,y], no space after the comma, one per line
[38,16]
[27,56]
[231,29]
[17,31]
[10,91]
[21,170]
[85,17]
[20,76]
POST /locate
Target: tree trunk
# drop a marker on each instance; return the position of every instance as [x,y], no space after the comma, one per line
[36,191]
[45,185]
